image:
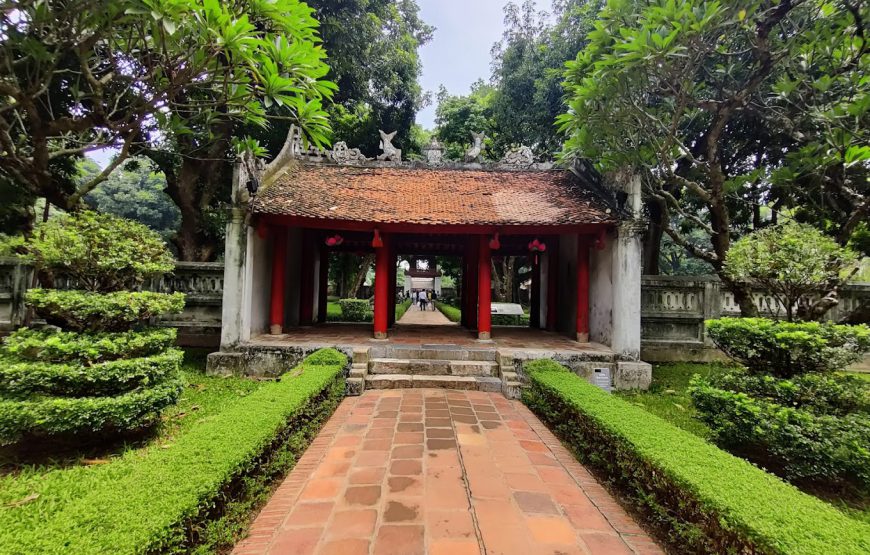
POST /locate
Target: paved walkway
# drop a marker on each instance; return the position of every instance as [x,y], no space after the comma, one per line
[424,317]
[443,473]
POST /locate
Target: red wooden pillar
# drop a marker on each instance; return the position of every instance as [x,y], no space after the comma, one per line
[323,285]
[306,282]
[391,311]
[382,288]
[552,284]
[484,289]
[583,289]
[279,268]
[535,297]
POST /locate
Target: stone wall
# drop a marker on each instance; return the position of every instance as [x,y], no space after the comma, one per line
[673,308]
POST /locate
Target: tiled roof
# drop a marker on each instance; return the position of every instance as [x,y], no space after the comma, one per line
[431,196]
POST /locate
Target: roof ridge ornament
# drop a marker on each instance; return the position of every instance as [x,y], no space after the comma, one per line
[473,153]
[341,154]
[389,152]
[520,156]
[434,152]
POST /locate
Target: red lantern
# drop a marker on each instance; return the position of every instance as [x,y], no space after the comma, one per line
[334,240]
[536,247]
[377,242]
[494,243]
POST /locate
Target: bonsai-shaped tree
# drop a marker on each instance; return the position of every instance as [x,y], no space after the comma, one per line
[799,266]
[98,367]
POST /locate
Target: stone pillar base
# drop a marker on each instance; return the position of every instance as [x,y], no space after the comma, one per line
[484,335]
[275,329]
[380,335]
[583,337]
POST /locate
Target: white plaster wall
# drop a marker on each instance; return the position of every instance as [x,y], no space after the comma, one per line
[626,287]
[260,279]
[601,292]
[567,305]
[235,285]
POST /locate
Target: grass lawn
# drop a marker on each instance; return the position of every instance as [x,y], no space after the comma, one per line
[667,399]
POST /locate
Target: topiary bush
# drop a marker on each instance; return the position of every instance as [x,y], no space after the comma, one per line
[785,349]
[355,310]
[103,371]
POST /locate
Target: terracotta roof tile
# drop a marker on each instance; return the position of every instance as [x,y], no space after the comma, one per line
[431,196]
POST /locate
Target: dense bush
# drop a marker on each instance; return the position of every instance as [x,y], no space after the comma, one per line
[29,378]
[166,499]
[701,498]
[38,417]
[95,312]
[451,312]
[832,394]
[355,310]
[100,252]
[828,450]
[51,345]
[785,349]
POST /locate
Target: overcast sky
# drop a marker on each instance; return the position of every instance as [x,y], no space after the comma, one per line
[458,54]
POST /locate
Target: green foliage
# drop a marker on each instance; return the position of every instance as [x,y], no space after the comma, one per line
[170,497]
[834,394]
[833,451]
[26,379]
[704,499]
[82,311]
[793,262]
[451,312]
[37,417]
[100,252]
[355,310]
[457,117]
[402,308]
[785,349]
[49,345]
[136,192]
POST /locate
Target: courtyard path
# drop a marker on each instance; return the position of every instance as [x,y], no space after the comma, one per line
[440,472]
[424,317]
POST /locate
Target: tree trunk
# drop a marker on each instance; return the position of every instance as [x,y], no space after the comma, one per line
[360,277]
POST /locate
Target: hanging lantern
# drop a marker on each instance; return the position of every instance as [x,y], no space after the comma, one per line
[536,246]
[334,240]
[494,243]
[377,242]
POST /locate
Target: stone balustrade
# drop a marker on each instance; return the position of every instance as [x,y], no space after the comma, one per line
[674,308]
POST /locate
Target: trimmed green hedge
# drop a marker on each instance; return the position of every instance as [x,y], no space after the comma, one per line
[706,500]
[96,312]
[63,415]
[402,308]
[355,310]
[169,498]
[51,345]
[451,312]
[22,379]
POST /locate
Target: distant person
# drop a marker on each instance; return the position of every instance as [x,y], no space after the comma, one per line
[434,299]
[429,299]
[423,300]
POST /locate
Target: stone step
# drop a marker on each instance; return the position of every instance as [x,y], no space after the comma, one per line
[435,352]
[433,367]
[406,381]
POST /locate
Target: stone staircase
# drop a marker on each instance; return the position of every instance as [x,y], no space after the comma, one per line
[432,366]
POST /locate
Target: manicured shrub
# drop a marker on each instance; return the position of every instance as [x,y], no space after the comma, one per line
[95,312]
[402,308]
[100,252]
[169,498]
[325,357]
[355,310]
[830,451]
[38,417]
[34,378]
[451,312]
[785,349]
[832,394]
[701,498]
[49,345]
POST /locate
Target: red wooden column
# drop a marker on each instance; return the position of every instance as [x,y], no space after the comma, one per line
[323,284]
[382,288]
[391,310]
[484,289]
[583,289]
[279,268]
[552,284]
[306,282]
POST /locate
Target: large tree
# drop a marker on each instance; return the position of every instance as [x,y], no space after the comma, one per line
[684,94]
[79,75]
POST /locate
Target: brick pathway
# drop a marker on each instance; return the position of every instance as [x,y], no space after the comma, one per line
[443,473]
[424,317]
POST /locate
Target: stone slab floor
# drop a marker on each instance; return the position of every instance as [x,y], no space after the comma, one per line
[440,472]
